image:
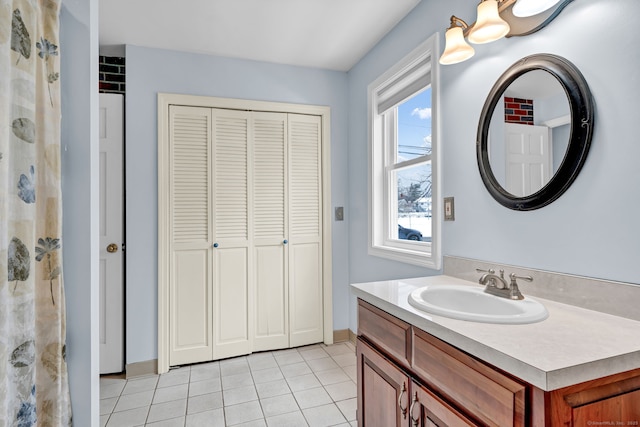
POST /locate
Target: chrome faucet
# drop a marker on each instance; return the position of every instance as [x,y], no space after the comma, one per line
[497,285]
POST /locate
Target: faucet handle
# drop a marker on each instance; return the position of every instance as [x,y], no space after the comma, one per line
[490,271]
[514,276]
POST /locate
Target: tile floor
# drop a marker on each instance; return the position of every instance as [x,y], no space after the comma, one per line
[309,386]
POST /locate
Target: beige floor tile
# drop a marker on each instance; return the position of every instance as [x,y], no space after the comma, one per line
[107,405]
[173,422]
[267,375]
[168,394]
[337,349]
[204,387]
[243,413]
[134,400]
[312,397]
[348,359]
[130,418]
[278,405]
[175,377]
[204,402]
[214,418]
[142,384]
[314,353]
[167,410]
[332,376]
[348,408]
[293,419]
[238,395]
[323,416]
[236,381]
[303,382]
[295,369]
[273,388]
[342,391]
[322,364]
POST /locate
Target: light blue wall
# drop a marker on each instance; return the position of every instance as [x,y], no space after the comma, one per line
[79,83]
[150,71]
[593,229]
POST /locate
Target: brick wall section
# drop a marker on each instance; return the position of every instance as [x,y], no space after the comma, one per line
[112,74]
[518,110]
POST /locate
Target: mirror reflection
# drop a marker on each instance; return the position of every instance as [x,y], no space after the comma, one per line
[529,133]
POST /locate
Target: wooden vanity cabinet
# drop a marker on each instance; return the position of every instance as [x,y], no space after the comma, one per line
[389,397]
[407,377]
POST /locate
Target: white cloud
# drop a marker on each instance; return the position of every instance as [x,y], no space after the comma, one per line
[423,113]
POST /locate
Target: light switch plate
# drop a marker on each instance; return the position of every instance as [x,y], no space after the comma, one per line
[339,213]
[449,209]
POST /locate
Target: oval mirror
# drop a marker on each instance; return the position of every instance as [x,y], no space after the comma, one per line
[534,132]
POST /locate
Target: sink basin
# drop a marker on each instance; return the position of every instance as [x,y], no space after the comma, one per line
[472,304]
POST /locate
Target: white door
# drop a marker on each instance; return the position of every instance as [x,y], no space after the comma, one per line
[528,158]
[232,258]
[305,230]
[190,293]
[270,231]
[111,234]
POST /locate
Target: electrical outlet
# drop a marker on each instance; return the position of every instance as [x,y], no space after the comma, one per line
[339,213]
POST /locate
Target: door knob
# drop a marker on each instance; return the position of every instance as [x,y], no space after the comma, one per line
[112,248]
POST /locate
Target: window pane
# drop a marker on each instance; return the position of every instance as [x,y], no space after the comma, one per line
[414,126]
[414,202]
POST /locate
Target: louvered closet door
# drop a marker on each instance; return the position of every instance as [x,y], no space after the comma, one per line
[270,231]
[305,230]
[190,335]
[232,261]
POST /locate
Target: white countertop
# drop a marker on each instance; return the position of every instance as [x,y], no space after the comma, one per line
[571,346]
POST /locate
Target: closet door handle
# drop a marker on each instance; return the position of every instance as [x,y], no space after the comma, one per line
[215,245]
[285,241]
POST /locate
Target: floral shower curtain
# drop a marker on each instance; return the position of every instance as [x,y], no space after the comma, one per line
[33,373]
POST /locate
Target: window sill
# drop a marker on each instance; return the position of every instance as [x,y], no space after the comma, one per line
[407,256]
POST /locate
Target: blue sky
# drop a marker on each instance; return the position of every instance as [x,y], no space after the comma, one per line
[414,125]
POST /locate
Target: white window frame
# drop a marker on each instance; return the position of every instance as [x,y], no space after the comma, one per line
[401,80]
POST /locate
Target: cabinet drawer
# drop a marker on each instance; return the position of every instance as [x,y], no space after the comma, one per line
[487,395]
[385,331]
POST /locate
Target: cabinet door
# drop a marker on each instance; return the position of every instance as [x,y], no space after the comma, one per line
[622,410]
[270,230]
[383,390]
[305,229]
[232,301]
[190,336]
[428,410]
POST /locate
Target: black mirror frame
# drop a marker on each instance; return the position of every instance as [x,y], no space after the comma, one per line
[582,113]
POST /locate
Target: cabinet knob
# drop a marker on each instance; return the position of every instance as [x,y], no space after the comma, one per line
[285,241]
[215,245]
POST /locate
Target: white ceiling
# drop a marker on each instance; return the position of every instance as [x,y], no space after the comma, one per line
[330,34]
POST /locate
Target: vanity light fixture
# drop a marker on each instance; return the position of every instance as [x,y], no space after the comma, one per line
[490,26]
[456,47]
[497,19]
[525,8]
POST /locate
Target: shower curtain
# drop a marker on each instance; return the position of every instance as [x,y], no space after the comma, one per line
[33,373]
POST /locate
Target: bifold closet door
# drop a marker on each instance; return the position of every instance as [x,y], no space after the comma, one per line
[305,230]
[270,230]
[232,259]
[190,333]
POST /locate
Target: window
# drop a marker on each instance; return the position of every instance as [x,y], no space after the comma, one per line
[404,167]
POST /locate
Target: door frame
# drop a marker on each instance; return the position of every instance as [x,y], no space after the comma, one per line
[167,99]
